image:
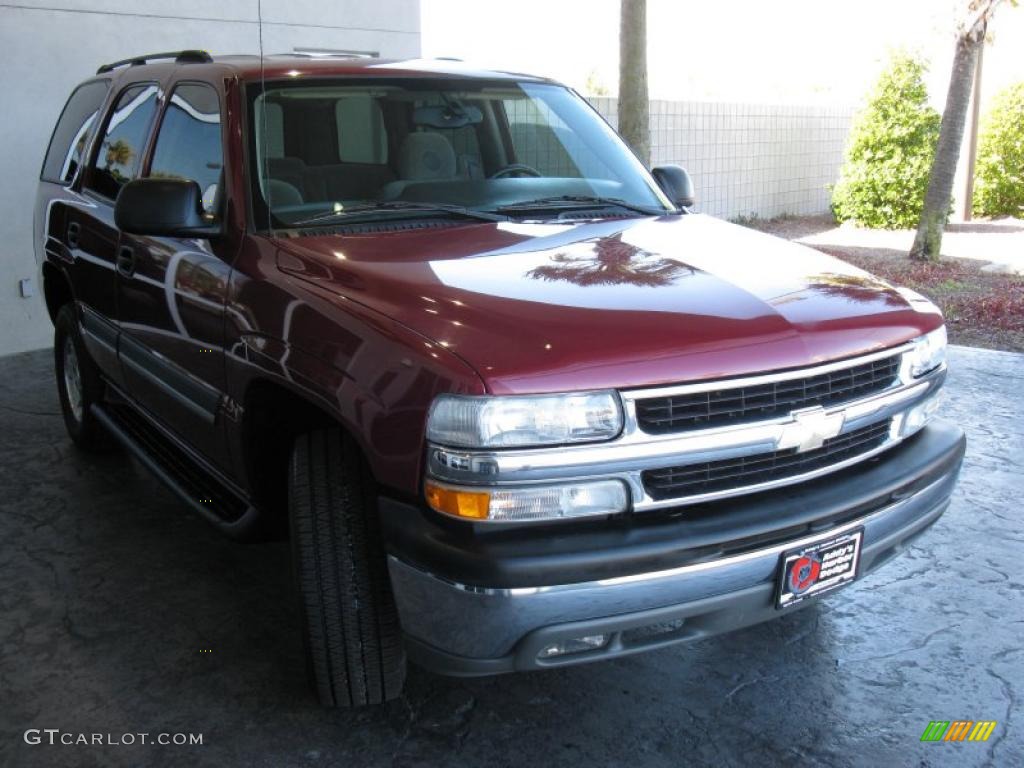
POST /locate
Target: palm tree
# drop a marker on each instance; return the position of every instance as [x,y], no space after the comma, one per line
[119,152]
[970,38]
[855,288]
[610,261]
[634,124]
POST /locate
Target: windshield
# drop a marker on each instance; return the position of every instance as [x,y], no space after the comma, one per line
[416,147]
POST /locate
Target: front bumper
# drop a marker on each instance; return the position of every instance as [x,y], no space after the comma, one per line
[481,604]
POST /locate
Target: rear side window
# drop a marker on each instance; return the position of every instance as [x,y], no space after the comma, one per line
[189,143]
[124,139]
[73,130]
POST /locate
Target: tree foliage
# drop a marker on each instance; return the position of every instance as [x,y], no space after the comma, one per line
[999,178]
[889,152]
[594,86]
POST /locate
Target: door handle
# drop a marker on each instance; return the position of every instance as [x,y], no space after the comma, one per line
[74,228]
[126,261]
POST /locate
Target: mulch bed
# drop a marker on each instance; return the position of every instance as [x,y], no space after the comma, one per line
[982,309]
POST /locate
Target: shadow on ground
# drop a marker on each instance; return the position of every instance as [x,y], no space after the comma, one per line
[111,596]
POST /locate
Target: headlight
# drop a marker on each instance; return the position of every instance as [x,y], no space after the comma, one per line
[551,502]
[521,421]
[929,352]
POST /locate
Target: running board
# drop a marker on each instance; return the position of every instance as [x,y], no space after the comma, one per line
[182,474]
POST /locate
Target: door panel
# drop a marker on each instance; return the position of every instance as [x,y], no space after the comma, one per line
[91,240]
[75,231]
[171,291]
[89,231]
[172,323]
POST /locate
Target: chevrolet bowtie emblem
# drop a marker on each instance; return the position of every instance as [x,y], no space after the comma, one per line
[810,429]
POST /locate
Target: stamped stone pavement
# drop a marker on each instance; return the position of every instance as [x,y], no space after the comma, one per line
[121,613]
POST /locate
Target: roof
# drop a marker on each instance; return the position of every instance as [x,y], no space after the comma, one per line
[276,66]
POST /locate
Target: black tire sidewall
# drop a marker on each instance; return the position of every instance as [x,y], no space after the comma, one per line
[86,433]
[364,662]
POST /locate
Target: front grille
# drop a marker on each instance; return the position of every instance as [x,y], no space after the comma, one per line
[738,405]
[734,474]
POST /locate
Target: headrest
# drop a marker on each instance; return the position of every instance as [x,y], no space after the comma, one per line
[426,156]
[282,193]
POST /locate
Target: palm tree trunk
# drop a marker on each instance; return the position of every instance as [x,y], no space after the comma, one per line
[937,199]
[634,124]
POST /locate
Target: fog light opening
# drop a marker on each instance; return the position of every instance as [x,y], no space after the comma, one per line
[575,645]
[652,633]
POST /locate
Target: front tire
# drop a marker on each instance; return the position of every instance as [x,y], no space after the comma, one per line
[353,638]
[79,384]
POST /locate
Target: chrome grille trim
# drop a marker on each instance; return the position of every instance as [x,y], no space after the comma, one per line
[726,405]
[631,453]
[710,476]
[765,378]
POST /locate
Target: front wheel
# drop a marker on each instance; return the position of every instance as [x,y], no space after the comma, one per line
[353,638]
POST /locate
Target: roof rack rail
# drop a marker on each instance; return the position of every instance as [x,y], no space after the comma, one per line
[329,53]
[180,57]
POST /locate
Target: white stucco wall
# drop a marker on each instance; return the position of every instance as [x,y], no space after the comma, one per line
[48,46]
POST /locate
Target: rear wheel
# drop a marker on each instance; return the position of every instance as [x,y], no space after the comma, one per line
[352,633]
[79,384]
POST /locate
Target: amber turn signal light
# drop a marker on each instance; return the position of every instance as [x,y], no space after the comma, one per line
[458,502]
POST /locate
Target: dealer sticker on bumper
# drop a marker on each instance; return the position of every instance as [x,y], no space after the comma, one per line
[818,568]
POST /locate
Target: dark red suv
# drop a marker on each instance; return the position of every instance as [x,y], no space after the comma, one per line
[517,406]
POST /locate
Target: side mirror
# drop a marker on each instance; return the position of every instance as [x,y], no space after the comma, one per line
[162,208]
[675,182]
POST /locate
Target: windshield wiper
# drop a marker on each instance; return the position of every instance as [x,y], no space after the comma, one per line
[398,206]
[568,202]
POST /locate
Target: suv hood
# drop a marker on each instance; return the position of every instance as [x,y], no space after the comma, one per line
[622,303]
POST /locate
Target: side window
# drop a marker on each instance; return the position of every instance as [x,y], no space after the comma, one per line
[73,130]
[189,143]
[120,154]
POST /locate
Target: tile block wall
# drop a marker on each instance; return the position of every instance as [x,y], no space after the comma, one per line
[749,159]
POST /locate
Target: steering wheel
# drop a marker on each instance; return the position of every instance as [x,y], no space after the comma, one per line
[520,168]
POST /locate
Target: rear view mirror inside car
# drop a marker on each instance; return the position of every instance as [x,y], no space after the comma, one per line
[447,116]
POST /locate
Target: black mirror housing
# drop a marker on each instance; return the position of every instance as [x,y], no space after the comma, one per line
[447,116]
[676,183]
[162,208]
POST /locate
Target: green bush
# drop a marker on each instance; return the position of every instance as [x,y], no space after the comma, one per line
[889,152]
[999,178]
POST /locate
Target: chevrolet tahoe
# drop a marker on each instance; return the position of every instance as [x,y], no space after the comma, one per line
[512,401]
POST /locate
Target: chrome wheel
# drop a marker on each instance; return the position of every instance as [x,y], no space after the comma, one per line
[72,379]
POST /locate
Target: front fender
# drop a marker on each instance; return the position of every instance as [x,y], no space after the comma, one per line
[375,376]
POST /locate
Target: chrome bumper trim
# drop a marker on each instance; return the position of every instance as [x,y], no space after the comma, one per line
[480,622]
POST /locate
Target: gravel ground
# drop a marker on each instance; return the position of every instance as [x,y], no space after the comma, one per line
[120,613]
